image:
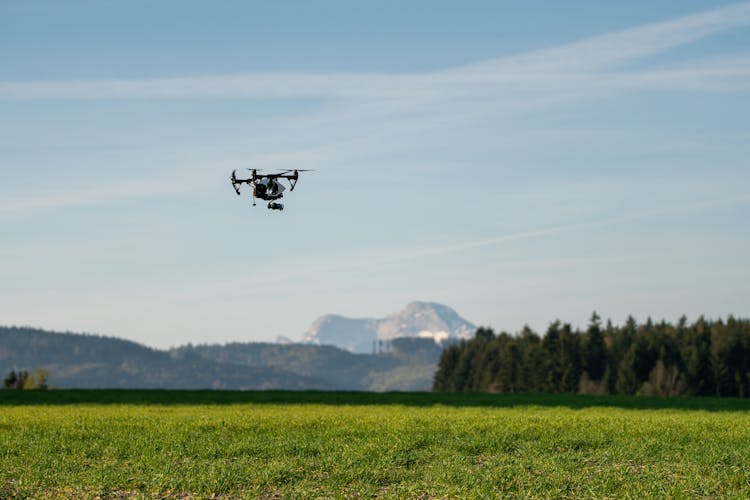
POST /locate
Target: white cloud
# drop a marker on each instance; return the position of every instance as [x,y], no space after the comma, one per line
[611,49]
[580,65]
[367,108]
[112,192]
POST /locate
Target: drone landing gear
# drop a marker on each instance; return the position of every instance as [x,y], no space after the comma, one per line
[275,206]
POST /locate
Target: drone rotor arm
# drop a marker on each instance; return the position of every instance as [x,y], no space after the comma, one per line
[235,182]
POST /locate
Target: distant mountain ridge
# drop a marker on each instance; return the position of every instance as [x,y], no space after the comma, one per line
[91,361]
[418,319]
[407,364]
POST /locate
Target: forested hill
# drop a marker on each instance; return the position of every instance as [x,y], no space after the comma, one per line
[706,357]
[407,363]
[91,361]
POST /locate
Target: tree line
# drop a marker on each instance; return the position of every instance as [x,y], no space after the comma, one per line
[22,379]
[703,358]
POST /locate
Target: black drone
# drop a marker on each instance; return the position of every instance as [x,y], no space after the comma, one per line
[267,186]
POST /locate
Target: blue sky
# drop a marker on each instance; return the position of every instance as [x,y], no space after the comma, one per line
[517,162]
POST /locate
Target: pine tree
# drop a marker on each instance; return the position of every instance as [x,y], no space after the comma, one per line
[571,359]
[627,381]
[553,369]
[510,374]
[10,380]
[446,368]
[699,367]
[595,351]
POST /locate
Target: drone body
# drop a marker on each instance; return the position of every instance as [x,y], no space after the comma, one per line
[267,187]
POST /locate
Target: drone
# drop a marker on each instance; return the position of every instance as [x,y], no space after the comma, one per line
[267,186]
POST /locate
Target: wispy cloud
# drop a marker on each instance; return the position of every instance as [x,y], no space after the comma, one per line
[376,259]
[364,107]
[612,49]
[592,62]
[116,191]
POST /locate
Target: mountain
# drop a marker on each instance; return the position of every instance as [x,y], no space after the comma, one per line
[354,335]
[408,364]
[363,335]
[91,361]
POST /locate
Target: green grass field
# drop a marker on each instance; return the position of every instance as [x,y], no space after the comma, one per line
[268,444]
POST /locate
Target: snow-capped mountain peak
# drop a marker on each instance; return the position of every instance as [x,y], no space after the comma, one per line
[417,319]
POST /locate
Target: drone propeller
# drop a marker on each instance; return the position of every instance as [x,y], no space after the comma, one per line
[234,182]
[293,176]
[295,172]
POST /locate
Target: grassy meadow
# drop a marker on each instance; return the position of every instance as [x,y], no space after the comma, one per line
[315,444]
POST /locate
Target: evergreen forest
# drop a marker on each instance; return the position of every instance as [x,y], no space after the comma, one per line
[703,358]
